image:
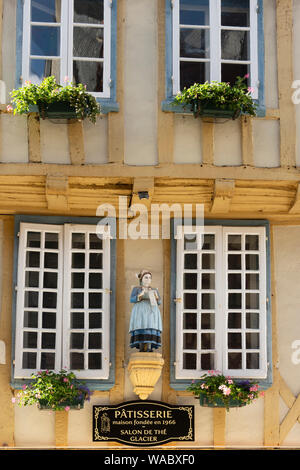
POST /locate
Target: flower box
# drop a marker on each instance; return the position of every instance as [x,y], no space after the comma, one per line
[218,402]
[213,112]
[58,110]
[72,405]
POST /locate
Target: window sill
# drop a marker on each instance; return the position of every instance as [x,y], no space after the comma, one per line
[169,106]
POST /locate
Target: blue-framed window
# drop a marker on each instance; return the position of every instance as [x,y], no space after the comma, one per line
[220,301]
[64,298]
[214,40]
[72,40]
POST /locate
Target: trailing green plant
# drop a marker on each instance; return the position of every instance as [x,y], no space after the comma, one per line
[219,95]
[216,387]
[56,391]
[49,91]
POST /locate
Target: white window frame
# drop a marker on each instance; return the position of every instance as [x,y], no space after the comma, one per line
[221,309]
[215,29]
[66,44]
[63,327]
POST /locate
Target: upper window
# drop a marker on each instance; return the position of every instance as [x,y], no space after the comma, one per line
[63,305]
[215,40]
[221,308]
[70,39]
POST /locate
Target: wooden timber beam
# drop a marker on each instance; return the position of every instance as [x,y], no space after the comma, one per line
[142,191]
[223,192]
[57,192]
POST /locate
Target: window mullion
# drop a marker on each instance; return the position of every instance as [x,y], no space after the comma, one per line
[215,40]
[254,48]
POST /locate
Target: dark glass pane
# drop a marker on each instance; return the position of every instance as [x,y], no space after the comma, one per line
[51,241]
[96,243]
[208,261]
[77,300]
[252,320]
[252,242]
[49,299]
[190,242]
[48,340]
[252,301]
[89,11]
[235,45]
[252,262]
[45,40]
[50,280]
[207,361]
[234,243]
[207,321]
[190,341]
[95,341]
[207,341]
[77,280]
[230,72]
[95,300]
[194,12]
[190,261]
[234,300]
[49,320]
[95,281]
[252,360]
[29,340]
[252,281]
[32,279]
[78,241]
[77,340]
[190,301]
[194,43]
[208,281]
[234,320]
[30,319]
[234,262]
[234,281]
[95,320]
[189,361]
[89,73]
[29,360]
[208,301]
[252,340]
[234,360]
[95,361]
[190,281]
[31,299]
[193,72]
[77,320]
[32,259]
[46,11]
[78,260]
[234,341]
[51,260]
[88,42]
[77,361]
[47,360]
[235,14]
[190,321]
[33,239]
[208,241]
[96,261]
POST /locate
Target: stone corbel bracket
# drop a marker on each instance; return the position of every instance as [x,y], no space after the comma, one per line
[223,193]
[57,192]
[144,371]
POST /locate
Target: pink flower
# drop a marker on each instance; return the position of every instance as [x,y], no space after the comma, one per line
[254,388]
[9,108]
[247,75]
[66,79]
[262,394]
[27,82]
[65,379]
[67,408]
[250,89]
[13,400]
[229,381]
[24,387]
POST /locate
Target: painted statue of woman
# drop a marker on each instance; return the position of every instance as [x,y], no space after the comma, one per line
[145,323]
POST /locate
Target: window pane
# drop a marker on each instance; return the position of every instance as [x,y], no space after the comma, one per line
[252,340]
[95,281]
[96,243]
[190,281]
[193,72]
[77,280]
[234,243]
[49,299]
[32,259]
[252,320]
[234,361]
[235,45]
[252,301]
[190,341]
[237,14]
[32,279]
[189,361]
[78,260]
[29,340]
[252,262]
[31,299]
[190,301]
[190,242]
[95,361]
[33,240]
[50,280]
[208,301]
[78,241]
[252,361]
[51,260]
[234,320]
[207,321]
[77,300]
[30,319]
[51,240]
[95,320]
[234,262]
[45,40]
[208,241]
[207,341]
[95,300]
[48,340]
[208,281]
[189,321]
[95,341]
[194,43]
[234,281]
[47,360]
[190,261]
[46,11]
[49,320]
[252,281]
[77,340]
[234,340]
[208,261]
[96,261]
[40,68]
[88,42]
[234,300]
[252,242]
[29,360]
[77,320]
[89,11]
[194,12]
[230,72]
[77,361]
[207,361]
[90,74]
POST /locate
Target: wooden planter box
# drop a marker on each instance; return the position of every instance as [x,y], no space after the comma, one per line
[218,403]
[59,110]
[74,405]
[212,112]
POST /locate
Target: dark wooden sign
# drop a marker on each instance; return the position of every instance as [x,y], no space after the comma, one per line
[143,423]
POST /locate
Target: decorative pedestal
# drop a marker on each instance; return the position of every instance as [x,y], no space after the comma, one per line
[144,371]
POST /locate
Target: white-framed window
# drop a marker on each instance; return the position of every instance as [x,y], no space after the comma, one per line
[215,40]
[221,307]
[70,39]
[63,300]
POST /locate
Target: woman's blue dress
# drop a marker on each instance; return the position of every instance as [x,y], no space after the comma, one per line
[145,323]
